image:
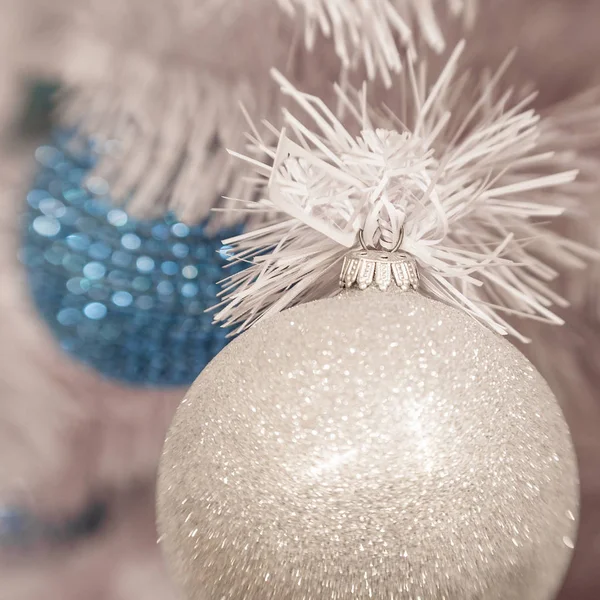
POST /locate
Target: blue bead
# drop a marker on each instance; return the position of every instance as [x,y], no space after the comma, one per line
[165,288]
[121,259]
[169,267]
[189,290]
[99,251]
[145,303]
[142,284]
[180,250]
[78,285]
[35,197]
[117,218]
[144,264]
[122,298]
[118,279]
[78,241]
[74,263]
[160,232]
[75,196]
[97,186]
[225,252]
[70,217]
[98,292]
[94,270]
[126,296]
[46,226]
[95,311]
[189,272]
[55,256]
[69,317]
[131,241]
[180,230]
[52,207]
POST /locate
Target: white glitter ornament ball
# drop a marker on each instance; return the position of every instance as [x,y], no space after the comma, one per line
[370,446]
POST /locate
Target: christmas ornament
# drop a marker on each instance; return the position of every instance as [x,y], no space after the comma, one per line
[22,530]
[125,296]
[376,442]
[169,96]
[373,445]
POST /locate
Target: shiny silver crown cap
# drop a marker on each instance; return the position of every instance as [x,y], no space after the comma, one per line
[367,268]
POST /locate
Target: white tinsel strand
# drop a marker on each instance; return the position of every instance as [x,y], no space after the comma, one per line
[161,81]
[467,169]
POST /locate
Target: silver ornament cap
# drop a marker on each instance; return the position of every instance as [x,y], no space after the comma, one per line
[377,268]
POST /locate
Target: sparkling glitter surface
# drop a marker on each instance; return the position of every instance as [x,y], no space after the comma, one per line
[375,445]
[125,296]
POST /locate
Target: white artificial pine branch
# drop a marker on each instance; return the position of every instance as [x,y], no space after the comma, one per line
[377,33]
[468,170]
[161,81]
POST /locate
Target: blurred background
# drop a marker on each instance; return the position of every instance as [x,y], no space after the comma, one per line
[102,323]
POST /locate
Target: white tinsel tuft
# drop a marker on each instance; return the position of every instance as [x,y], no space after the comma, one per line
[158,84]
[161,81]
[468,171]
[377,32]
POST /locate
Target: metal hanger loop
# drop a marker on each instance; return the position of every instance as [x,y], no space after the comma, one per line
[361,239]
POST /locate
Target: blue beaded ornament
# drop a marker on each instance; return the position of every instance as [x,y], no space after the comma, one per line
[125,296]
[22,529]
